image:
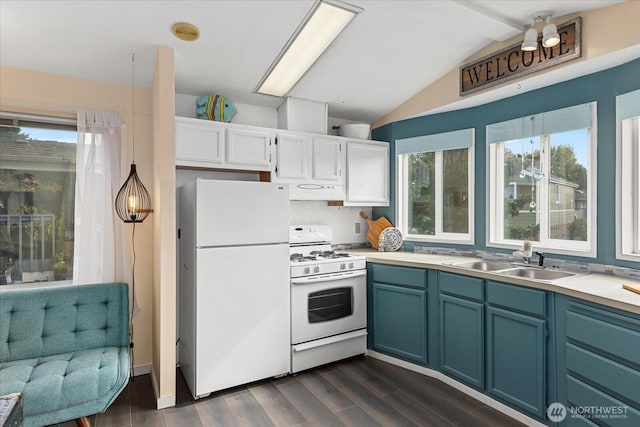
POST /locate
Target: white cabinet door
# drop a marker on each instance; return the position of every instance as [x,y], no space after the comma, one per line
[249,149]
[367,173]
[293,157]
[327,158]
[199,143]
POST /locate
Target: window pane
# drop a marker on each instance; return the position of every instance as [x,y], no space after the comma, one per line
[521,189]
[455,205]
[37,192]
[421,197]
[568,185]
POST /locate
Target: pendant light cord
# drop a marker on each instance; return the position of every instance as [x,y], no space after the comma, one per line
[133,293]
[133,108]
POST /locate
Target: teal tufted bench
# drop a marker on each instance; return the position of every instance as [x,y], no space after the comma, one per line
[65,348]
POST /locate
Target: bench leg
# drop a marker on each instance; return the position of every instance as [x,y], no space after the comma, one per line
[83,422]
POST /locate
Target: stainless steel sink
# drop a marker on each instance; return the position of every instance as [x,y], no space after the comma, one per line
[537,274]
[483,265]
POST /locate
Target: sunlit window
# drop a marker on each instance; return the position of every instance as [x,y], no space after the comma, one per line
[37,196]
[542,181]
[628,176]
[435,181]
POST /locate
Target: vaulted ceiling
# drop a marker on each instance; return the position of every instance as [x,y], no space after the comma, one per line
[389,53]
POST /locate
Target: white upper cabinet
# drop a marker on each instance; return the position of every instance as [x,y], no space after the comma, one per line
[311,164]
[367,173]
[316,167]
[216,145]
[199,143]
[327,159]
[249,148]
[293,157]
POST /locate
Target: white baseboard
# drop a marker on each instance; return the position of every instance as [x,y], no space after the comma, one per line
[459,386]
[141,370]
[161,402]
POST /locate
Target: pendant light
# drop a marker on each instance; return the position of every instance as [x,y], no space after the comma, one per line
[133,203]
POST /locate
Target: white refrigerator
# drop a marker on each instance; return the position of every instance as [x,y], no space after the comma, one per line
[233,285]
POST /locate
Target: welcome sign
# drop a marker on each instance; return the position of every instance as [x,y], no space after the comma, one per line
[512,62]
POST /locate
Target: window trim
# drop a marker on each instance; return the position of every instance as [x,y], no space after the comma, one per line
[628,174]
[494,223]
[401,198]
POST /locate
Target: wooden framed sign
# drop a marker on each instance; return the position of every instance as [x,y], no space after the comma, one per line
[512,62]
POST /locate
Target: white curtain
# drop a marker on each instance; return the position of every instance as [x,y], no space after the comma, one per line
[101,252]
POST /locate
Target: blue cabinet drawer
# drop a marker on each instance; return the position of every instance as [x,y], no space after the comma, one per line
[403,276]
[519,298]
[464,286]
[606,332]
[604,373]
[597,406]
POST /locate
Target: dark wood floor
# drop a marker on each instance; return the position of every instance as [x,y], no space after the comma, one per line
[357,392]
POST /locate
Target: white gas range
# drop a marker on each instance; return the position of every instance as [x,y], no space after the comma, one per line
[328,299]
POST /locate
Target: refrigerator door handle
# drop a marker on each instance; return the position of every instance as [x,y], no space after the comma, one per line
[328,277]
[330,340]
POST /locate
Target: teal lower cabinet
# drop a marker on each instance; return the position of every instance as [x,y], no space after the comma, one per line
[399,312]
[462,328]
[598,364]
[557,359]
[516,330]
[493,336]
[516,353]
[462,339]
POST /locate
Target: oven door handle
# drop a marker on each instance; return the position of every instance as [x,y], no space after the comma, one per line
[327,277]
[329,340]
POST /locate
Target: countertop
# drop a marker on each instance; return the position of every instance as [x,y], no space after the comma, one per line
[598,288]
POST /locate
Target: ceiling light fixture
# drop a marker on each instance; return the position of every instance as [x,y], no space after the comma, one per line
[185,31]
[530,41]
[550,35]
[322,25]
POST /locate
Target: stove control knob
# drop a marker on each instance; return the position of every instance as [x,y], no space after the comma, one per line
[307,270]
[316,269]
[351,265]
[343,266]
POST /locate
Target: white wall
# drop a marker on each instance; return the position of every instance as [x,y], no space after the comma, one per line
[341,219]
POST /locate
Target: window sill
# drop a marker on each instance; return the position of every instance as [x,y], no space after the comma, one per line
[590,253]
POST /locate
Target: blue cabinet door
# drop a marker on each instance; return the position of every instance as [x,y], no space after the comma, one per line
[516,354]
[400,322]
[462,339]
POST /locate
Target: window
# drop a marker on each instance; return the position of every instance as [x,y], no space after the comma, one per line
[37,195]
[542,181]
[628,176]
[435,178]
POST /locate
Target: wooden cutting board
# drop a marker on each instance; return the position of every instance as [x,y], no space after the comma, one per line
[632,288]
[375,228]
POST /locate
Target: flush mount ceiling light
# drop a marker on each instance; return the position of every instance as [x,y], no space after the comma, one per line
[185,31]
[550,35]
[324,22]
